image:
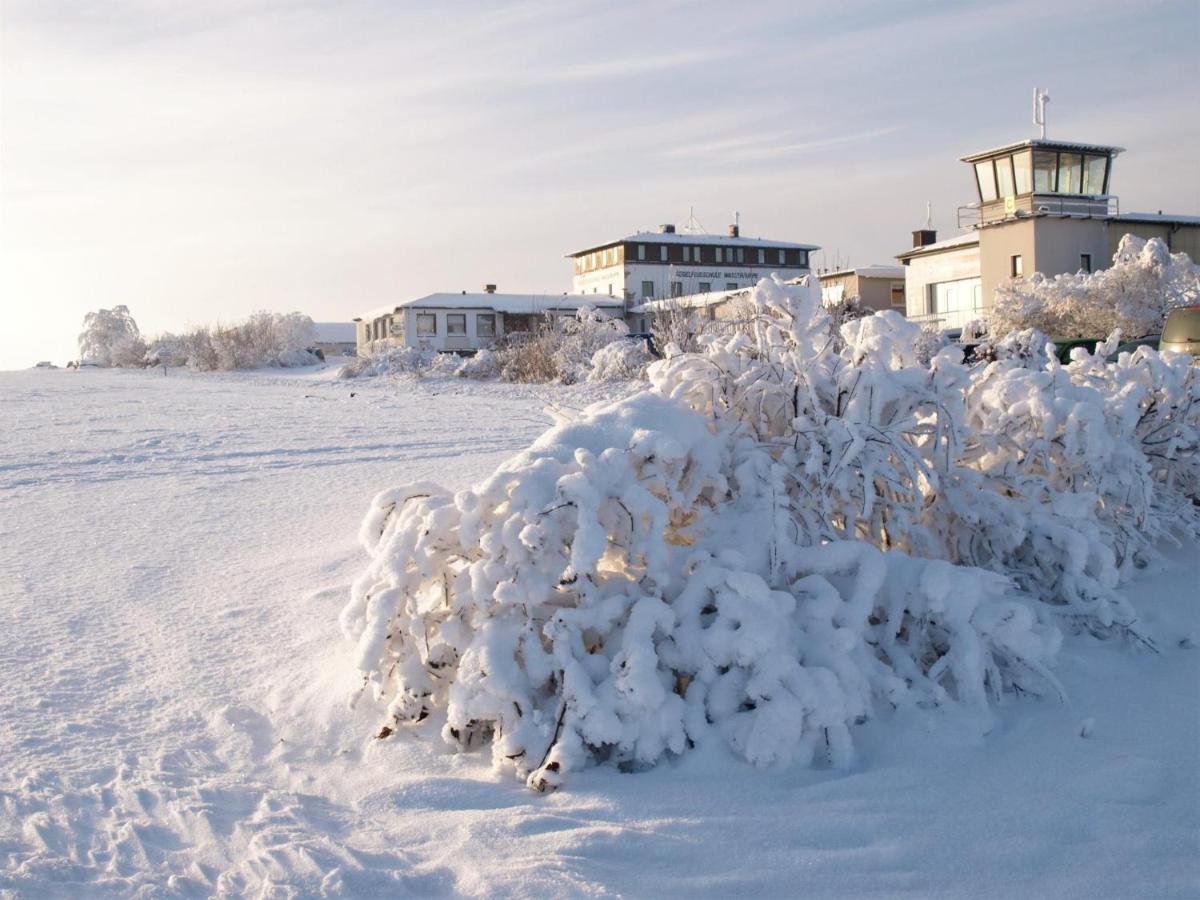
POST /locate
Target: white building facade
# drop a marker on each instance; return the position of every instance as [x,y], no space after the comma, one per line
[655,265]
[466,322]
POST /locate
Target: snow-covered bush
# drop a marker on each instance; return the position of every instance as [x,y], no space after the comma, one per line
[624,360]
[1134,295]
[265,339]
[561,348]
[110,337]
[388,360]
[484,364]
[788,533]
[607,596]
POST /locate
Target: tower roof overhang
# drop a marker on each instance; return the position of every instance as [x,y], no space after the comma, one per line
[1042,144]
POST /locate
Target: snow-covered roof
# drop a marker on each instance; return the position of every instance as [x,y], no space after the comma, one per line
[335,332]
[505,303]
[706,240]
[1043,144]
[875,271]
[1156,217]
[962,240]
[690,301]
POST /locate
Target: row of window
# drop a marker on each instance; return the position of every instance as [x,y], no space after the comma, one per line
[704,287]
[763,256]
[456,323]
[1042,172]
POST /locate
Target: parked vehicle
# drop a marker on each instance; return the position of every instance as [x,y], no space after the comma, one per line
[1063,347]
[1150,340]
[1181,333]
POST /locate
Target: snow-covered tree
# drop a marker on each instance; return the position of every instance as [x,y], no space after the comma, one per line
[1134,295]
[110,337]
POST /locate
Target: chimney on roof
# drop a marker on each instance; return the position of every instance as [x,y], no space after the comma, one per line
[734,231]
[666,229]
[489,289]
[923,237]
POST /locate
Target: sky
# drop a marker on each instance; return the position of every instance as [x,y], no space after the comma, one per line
[198,162]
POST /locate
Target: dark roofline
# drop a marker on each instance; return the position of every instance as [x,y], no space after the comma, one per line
[705,240]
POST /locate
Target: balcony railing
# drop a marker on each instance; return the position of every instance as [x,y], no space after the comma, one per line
[975,215]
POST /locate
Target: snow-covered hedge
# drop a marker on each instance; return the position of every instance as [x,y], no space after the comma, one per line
[785,535]
[1134,295]
[265,339]
[110,337]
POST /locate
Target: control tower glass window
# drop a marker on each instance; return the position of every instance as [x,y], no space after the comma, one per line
[1004,176]
[1094,168]
[1023,172]
[1070,174]
[986,175]
[1045,171]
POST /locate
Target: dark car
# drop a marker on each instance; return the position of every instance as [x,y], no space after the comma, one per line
[1063,347]
[1150,340]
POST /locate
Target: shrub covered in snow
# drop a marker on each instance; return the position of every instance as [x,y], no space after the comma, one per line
[110,337]
[265,339]
[622,360]
[1134,295]
[785,535]
[386,359]
[561,349]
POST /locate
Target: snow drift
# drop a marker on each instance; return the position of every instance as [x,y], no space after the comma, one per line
[786,534]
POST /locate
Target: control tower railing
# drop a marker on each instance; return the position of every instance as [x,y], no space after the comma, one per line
[976,215]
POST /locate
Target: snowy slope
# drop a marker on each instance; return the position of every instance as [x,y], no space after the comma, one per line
[173,556]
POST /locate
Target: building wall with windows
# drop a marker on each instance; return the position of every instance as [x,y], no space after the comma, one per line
[655,265]
[942,283]
[467,322]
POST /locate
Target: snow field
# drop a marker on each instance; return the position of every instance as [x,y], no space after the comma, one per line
[174,554]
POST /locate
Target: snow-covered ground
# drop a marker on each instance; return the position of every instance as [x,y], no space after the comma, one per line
[174,552]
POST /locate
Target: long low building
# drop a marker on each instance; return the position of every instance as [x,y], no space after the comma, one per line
[469,321]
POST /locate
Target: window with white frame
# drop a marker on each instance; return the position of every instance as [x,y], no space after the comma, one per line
[485,325]
[741,254]
[641,251]
[426,324]
[456,323]
[782,256]
[662,252]
[687,254]
[762,256]
[1017,266]
[647,290]
[731,286]
[705,287]
[676,288]
[717,252]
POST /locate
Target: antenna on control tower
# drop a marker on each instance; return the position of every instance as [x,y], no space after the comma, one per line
[1040,98]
